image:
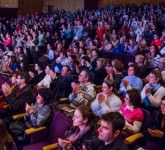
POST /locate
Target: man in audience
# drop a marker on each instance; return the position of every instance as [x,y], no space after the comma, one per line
[84,92]
[61,85]
[109,133]
[20,95]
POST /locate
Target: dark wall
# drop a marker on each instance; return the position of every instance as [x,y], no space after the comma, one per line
[8,12]
[90,4]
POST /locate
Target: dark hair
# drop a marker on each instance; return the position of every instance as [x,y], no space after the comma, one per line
[109,83]
[6,140]
[24,75]
[87,113]
[163,98]
[119,66]
[45,93]
[89,75]
[68,68]
[134,96]
[116,119]
[158,75]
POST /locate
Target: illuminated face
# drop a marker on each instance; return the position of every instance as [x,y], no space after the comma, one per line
[163,107]
[82,77]
[152,79]
[105,131]
[105,88]
[39,99]
[131,71]
[78,119]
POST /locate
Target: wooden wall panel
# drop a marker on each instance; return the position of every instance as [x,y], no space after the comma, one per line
[64,4]
[8,3]
[102,3]
[29,6]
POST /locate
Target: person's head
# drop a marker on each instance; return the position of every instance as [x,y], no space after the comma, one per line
[47,69]
[131,70]
[14,79]
[83,116]
[163,105]
[39,67]
[118,67]
[23,78]
[43,96]
[111,126]
[155,77]
[65,70]
[5,88]
[107,86]
[139,59]
[161,64]
[85,76]
[100,63]
[133,98]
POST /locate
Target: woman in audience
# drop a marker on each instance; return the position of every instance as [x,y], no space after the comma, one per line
[153,91]
[82,132]
[106,101]
[37,114]
[6,141]
[156,129]
[131,112]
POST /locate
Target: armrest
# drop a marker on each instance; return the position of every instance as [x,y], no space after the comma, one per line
[34,130]
[50,147]
[6,106]
[18,116]
[63,99]
[133,138]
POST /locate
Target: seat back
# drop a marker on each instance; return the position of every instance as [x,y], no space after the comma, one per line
[59,126]
[146,121]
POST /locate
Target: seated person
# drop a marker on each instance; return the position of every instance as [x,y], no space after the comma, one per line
[109,133]
[20,95]
[61,85]
[130,81]
[45,82]
[131,112]
[156,129]
[106,101]
[84,92]
[37,114]
[82,132]
[153,91]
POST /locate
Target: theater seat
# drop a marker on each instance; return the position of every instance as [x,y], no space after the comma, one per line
[58,127]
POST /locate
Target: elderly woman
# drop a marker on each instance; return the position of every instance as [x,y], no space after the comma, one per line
[82,132]
[106,101]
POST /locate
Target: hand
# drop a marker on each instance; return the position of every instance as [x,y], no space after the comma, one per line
[155,133]
[101,98]
[147,90]
[64,143]
[125,83]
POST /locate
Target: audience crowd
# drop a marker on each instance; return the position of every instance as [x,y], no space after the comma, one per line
[47,57]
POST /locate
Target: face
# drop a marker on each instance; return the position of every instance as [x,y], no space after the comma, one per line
[78,119]
[13,79]
[105,131]
[127,100]
[131,71]
[152,49]
[19,80]
[152,79]
[161,64]
[39,99]
[105,88]
[5,87]
[36,67]
[64,71]
[163,106]
[82,77]
[47,70]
